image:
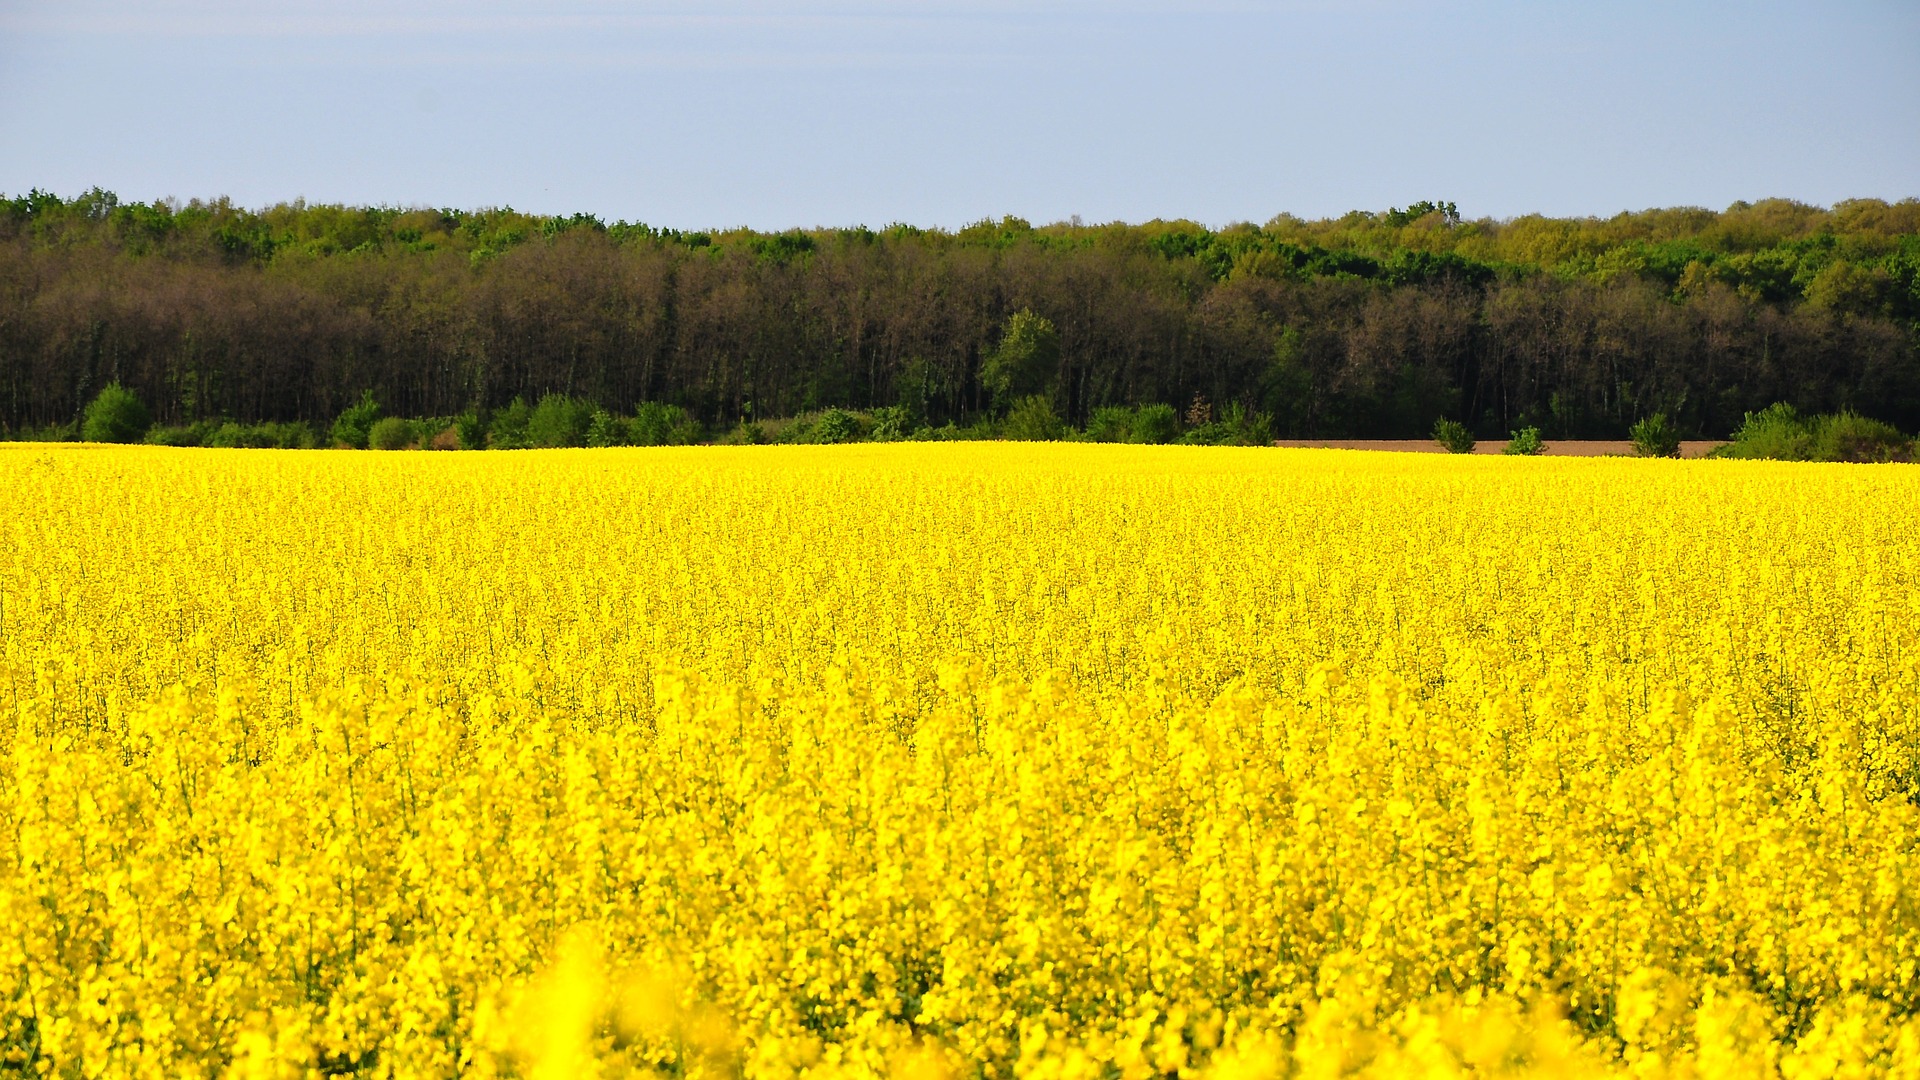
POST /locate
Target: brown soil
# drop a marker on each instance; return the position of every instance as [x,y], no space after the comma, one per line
[1561,448]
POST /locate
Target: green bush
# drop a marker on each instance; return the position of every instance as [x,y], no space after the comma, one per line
[1774,433]
[656,423]
[1237,426]
[744,434]
[1525,443]
[508,431]
[393,433]
[185,435]
[1848,436]
[294,436]
[1453,435]
[115,416]
[351,427]
[1033,420]
[1154,424]
[606,429]
[470,430]
[835,426]
[1111,424]
[1655,436]
[892,423]
[559,421]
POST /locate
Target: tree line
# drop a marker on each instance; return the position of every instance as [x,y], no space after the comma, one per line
[1371,325]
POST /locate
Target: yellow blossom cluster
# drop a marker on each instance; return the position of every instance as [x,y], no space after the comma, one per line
[1004,761]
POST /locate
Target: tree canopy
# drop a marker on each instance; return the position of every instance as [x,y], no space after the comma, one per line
[1367,325]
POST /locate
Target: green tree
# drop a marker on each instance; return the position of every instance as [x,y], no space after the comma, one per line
[1025,361]
[115,415]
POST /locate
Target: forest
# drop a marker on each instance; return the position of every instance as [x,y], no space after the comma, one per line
[1370,325]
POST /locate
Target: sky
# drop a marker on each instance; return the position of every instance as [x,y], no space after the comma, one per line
[800,114]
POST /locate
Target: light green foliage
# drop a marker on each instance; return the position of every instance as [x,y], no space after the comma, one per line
[115,416]
[351,427]
[1453,435]
[1776,433]
[1655,436]
[393,433]
[1525,443]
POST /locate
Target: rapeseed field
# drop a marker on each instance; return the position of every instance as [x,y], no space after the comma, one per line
[945,761]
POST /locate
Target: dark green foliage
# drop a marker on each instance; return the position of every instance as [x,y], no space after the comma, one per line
[1525,443]
[1655,436]
[655,423]
[351,427]
[508,431]
[1779,433]
[891,424]
[115,416]
[835,426]
[1032,419]
[1237,425]
[470,431]
[182,435]
[1025,361]
[1113,424]
[1849,437]
[559,421]
[1453,435]
[1153,424]
[393,433]
[295,436]
[1371,324]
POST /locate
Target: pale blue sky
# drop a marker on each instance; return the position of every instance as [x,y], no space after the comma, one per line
[805,113]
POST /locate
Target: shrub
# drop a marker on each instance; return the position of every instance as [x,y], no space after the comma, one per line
[655,423]
[1033,420]
[1775,433]
[294,436]
[744,434]
[835,426]
[892,423]
[559,421]
[1848,436]
[115,416]
[447,438]
[393,433]
[352,426]
[509,428]
[1525,443]
[471,430]
[1154,424]
[186,435]
[1655,436]
[1111,424]
[606,430]
[1453,435]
